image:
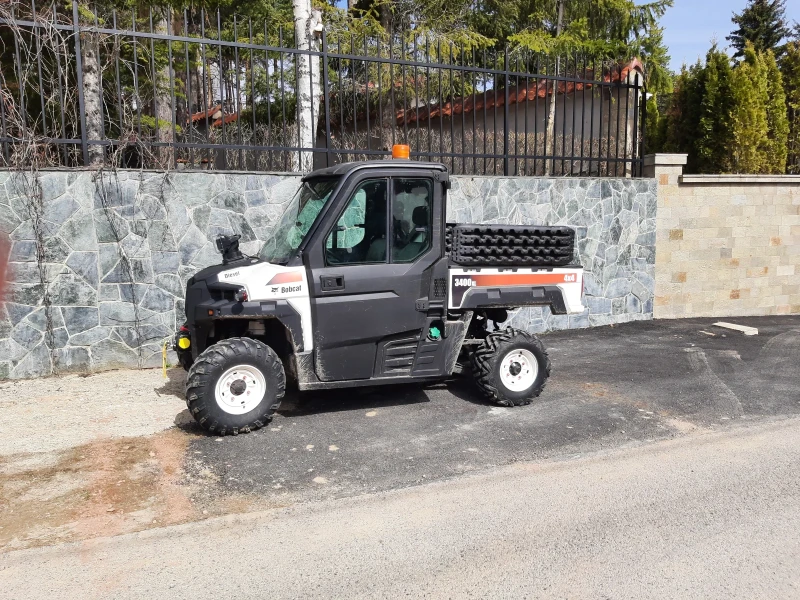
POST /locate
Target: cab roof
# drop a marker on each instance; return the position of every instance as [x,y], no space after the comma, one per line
[345,168]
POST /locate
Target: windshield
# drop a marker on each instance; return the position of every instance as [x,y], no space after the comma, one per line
[297,219]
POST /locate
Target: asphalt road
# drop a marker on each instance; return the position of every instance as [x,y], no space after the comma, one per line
[711,515]
[609,388]
[661,461]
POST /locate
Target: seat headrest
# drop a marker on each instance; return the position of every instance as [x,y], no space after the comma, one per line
[420,216]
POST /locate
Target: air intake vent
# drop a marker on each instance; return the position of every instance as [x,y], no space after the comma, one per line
[439,288]
[398,356]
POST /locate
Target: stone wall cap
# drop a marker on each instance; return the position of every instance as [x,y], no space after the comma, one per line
[663,160]
[741,179]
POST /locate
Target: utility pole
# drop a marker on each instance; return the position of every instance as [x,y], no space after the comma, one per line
[550,133]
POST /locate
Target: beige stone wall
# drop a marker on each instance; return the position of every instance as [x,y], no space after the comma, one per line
[725,245]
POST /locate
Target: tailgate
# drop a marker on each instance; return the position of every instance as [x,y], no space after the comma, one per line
[559,288]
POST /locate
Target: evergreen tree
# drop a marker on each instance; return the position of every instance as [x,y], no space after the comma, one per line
[763,24]
[713,145]
[653,127]
[683,114]
[614,29]
[790,69]
[777,121]
[655,58]
[749,113]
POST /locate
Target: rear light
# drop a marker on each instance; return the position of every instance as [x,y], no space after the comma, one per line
[241,295]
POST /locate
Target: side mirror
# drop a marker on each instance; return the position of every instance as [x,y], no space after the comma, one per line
[228,246]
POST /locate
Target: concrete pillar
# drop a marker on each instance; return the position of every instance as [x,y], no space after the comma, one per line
[669,301]
[664,167]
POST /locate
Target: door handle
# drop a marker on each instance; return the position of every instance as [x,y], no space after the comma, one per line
[331,282]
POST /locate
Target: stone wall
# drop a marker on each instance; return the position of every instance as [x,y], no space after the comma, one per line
[614,220]
[728,245]
[118,248]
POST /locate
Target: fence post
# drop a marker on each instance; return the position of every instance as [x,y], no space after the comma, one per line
[326,98]
[79,66]
[643,125]
[506,113]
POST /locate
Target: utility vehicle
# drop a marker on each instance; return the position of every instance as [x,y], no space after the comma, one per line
[365,283]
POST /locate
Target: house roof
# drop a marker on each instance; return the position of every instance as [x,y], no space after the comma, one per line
[206,114]
[215,115]
[226,118]
[496,98]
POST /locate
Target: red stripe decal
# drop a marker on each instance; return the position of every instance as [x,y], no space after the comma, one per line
[523,279]
[286,277]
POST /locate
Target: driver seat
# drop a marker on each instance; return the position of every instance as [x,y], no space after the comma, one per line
[420,235]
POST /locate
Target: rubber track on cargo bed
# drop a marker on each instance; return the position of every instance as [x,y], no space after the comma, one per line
[510,245]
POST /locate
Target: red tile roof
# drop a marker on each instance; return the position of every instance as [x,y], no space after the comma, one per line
[215,115]
[203,114]
[496,98]
[227,118]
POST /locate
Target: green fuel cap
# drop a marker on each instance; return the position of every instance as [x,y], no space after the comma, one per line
[434,333]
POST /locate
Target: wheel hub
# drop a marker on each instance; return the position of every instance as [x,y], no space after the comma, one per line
[515,369]
[240,389]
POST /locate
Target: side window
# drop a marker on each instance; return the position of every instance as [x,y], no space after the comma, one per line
[360,233]
[411,218]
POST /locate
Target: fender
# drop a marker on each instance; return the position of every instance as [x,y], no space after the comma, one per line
[273,291]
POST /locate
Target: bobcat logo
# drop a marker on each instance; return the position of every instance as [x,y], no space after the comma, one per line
[274,289]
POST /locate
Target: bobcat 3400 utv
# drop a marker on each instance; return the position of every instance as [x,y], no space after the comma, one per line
[365,283]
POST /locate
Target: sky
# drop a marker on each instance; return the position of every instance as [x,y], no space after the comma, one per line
[690,25]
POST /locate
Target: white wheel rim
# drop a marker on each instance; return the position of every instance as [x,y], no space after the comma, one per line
[518,370]
[240,389]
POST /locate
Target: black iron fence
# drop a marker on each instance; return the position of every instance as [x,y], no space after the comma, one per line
[187,90]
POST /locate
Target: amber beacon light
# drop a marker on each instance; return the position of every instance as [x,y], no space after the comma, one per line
[401,151]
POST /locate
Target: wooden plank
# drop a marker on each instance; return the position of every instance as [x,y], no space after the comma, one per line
[743,328]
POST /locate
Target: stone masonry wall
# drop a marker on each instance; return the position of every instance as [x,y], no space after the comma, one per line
[728,245]
[119,247]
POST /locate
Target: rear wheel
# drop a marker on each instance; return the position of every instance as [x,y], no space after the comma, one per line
[235,386]
[511,367]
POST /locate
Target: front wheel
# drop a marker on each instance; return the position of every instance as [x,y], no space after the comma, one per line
[511,367]
[235,386]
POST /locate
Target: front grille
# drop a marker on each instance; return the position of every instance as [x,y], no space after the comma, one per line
[222,294]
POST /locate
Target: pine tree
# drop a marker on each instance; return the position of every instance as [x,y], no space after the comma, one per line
[713,145]
[762,23]
[749,113]
[777,121]
[790,69]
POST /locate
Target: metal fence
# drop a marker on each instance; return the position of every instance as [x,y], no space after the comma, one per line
[189,90]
